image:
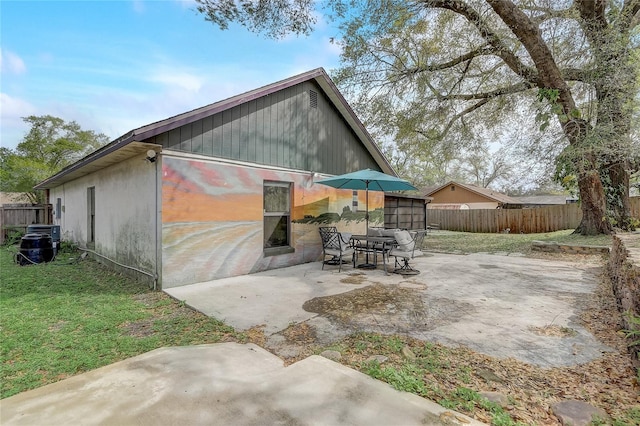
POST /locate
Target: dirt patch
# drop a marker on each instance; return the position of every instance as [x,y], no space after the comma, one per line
[140,329]
[148,299]
[58,326]
[377,304]
[302,334]
[355,278]
[144,327]
[580,259]
[375,298]
[256,335]
[553,330]
[388,309]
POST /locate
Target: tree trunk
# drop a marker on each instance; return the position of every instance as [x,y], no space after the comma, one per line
[618,205]
[616,87]
[593,205]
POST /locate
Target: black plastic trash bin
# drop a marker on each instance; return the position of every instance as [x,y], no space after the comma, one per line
[52,230]
[35,248]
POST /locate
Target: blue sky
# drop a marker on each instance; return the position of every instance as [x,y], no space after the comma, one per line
[113,66]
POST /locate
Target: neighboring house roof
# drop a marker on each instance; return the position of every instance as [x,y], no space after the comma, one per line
[546,199]
[429,189]
[485,192]
[132,143]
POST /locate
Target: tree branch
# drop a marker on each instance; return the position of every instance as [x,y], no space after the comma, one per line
[455,118]
[481,51]
[546,14]
[592,11]
[516,88]
[529,34]
[630,15]
[463,9]
[576,74]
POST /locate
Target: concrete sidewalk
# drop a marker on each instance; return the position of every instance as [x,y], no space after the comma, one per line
[222,384]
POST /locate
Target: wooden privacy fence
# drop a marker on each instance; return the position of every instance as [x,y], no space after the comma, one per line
[17,217]
[526,221]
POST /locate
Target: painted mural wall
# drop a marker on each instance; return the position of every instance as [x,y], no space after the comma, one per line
[212,218]
[125,212]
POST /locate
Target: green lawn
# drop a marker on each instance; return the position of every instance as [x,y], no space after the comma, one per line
[63,318]
[464,242]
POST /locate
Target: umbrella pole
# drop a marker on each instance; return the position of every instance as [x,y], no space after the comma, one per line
[367,265]
[366,214]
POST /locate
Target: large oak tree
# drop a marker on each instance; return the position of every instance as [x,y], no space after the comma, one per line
[439,72]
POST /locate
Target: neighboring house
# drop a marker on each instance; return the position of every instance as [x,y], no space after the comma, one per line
[223,190]
[460,196]
[535,201]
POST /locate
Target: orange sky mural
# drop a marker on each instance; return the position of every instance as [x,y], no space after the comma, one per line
[210,208]
[195,191]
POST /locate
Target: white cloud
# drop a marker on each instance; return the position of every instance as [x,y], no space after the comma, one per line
[13,128]
[14,107]
[11,63]
[178,79]
[321,21]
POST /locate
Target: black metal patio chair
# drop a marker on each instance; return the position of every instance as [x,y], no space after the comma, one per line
[334,245]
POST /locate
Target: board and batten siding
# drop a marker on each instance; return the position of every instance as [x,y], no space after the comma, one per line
[295,128]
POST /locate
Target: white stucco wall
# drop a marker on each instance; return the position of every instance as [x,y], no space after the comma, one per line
[125,212]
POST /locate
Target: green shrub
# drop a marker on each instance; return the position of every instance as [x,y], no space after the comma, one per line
[67,247]
[13,236]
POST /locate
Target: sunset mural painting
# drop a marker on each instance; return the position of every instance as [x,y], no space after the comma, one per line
[213,219]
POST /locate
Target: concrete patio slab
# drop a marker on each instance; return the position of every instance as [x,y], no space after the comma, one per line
[497,305]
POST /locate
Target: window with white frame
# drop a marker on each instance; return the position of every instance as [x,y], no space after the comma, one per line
[277,214]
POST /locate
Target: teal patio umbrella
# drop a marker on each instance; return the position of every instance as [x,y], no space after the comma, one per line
[369,180]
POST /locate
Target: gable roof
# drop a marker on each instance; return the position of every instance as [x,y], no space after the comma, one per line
[131,143]
[485,192]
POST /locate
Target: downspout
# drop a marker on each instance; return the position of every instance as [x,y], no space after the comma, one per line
[158,223]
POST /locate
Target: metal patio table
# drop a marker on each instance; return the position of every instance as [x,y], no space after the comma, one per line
[374,245]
